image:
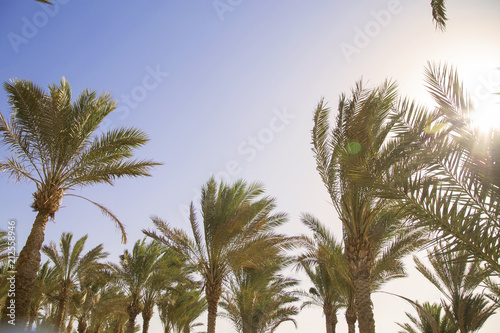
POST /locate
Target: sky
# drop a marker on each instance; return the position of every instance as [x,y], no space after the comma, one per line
[227,88]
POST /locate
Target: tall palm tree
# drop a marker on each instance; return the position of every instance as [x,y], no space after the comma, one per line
[70,265]
[54,146]
[258,300]
[136,270]
[458,280]
[347,158]
[324,294]
[421,323]
[326,264]
[237,232]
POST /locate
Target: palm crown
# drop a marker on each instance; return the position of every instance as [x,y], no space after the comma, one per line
[54,144]
[237,232]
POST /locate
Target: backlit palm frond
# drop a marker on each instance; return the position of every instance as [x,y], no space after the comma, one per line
[439,13]
[450,184]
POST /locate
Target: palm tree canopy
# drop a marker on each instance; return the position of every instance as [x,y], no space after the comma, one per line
[54,142]
[258,300]
[458,280]
[422,324]
[138,267]
[237,229]
[70,264]
[237,232]
[449,178]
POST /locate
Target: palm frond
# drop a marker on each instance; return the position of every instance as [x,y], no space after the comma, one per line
[107,213]
[439,13]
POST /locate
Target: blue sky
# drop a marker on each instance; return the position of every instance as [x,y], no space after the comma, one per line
[231,91]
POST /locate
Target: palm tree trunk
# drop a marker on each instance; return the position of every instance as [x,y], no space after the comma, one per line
[360,260]
[118,327]
[350,317]
[147,314]
[69,327]
[27,267]
[130,325]
[363,302]
[82,325]
[63,305]
[330,317]
[133,310]
[213,292]
[212,315]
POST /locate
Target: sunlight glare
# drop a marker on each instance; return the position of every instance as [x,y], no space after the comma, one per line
[486,117]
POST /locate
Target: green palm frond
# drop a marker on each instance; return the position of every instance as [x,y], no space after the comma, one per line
[450,182]
[237,232]
[458,280]
[430,320]
[259,300]
[108,213]
[439,13]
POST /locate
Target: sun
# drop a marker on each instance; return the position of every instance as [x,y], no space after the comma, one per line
[486,117]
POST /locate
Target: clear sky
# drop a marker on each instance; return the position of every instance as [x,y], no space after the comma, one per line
[227,87]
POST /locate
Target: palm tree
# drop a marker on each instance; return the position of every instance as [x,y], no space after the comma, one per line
[449,178]
[52,144]
[179,307]
[170,269]
[422,324]
[258,300]
[348,157]
[110,311]
[458,280]
[324,294]
[89,295]
[4,247]
[325,265]
[46,283]
[136,270]
[237,232]
[70,265]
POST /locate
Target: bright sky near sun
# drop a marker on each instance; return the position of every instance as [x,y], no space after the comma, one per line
[227,87]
